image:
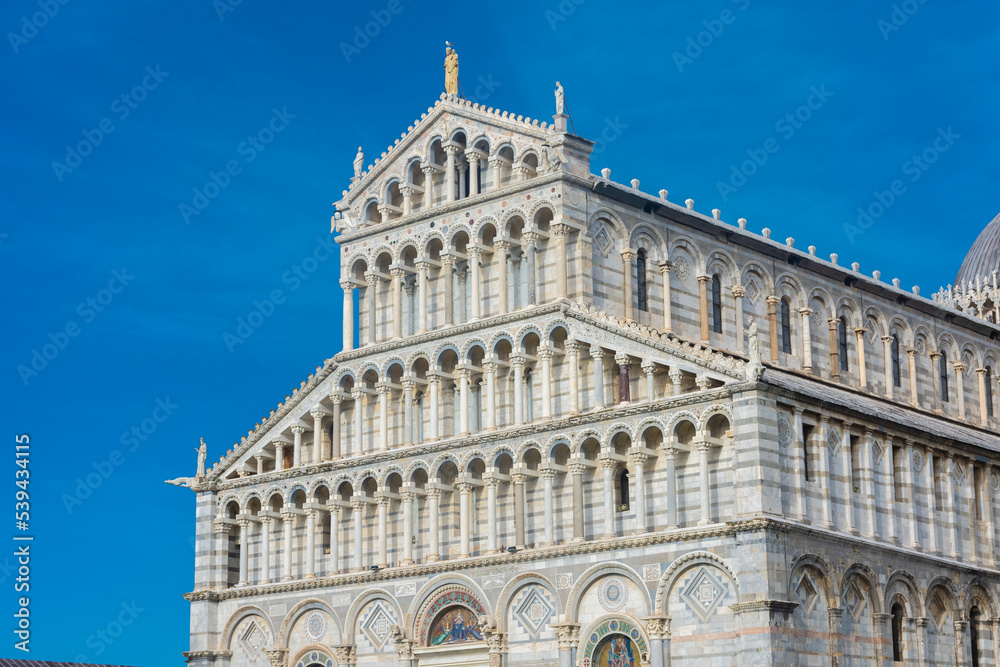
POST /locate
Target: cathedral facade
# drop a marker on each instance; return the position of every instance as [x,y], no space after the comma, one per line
[577,424]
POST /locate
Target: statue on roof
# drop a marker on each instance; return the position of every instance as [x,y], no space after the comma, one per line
[552,159]
[560,99]
[202,455]
[450,70]
[359,163]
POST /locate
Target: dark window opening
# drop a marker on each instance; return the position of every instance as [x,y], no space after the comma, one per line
[640,280]
[943,374]
[988,379]
[894,353]
[623,504]
[897,632]
[716,304]
[842,343]
[975,617]
[786,327]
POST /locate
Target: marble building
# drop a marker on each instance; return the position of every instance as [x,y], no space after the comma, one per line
[577,424]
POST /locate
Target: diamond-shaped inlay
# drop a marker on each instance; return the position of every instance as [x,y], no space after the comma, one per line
[376,625]
[753,290]
[704,592]
[534,610]
[833,441]
[805,590]
[877,450]
[603,240]
[959,472]
[938,610]
[855,601]
[253,640]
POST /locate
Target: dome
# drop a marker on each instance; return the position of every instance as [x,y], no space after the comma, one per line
[984,255]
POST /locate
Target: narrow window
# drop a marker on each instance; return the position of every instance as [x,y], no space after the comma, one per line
[943,374]
[855,465]
[786,327]
[894,353]
[897,632]
[623,490]
[842,343]
[806,433]
[640,280]
[716,304]
[975,617]
[897,474]
[988,379]
[977,501]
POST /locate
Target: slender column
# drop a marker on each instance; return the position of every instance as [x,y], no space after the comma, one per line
[383,531]
[287,523]
[449,173]
[359,421]
[475,275]
[548,539]
[429,172]
[598,356]
[244,550]
[407,509]
[519,480]
[991,552]
[628,256]
[397,302]
[260,463]
[546,358]
[310,544]
[738,293]
[921,632]
[772,325]
[297,446]
[279,456]
[703,305]
[677,378]
[608,468]
[912,364]
[970,508]
[670,455]
[489,400]
[638,460]
[500,249]
[939,400]
[887,356]
[911,492]
[473,159]
[317,446]
[372,294]
[624,382]
[334,566]
[530,249]
[572,359]
[447,275]
[859,335]
[848,469]
[518,363]
[834,348]
[798,467]
[960,389]
[649,368]
[890,490]
[335,451]
[807,351]
[824,472]
[265,553]
[561,232]
[462,167]
[434,513]
[705,490]
[407,192]
[981,378]
[408,386]
[357,516]
[496,171]
[410,318]
[665,272]
[869,483]
[576,470]
[491,512]
[463,395]
[422,296]
[434,382]
[932,508]
[348,288]
[949,505]
[464,526]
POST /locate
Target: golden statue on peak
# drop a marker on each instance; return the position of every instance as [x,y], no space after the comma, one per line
[450,70]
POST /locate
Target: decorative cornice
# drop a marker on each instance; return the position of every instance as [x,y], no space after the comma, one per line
[770,605]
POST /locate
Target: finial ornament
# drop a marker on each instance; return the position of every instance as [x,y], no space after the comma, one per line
[560,99]
[359,164]
[202,455]
[450,70]
[754,367]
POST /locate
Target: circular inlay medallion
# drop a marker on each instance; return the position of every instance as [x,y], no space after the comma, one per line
[613,593]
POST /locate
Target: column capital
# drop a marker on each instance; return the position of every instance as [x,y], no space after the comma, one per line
[371,278]
[772,301]
[887,339]
[288,516]
[428,168]
[433,493]
[406,189]
[980,371]
[703,278]
[638,457]
[357,393]
[464,487]
[317,413]
[547,473]
[559,229]
[571,347]
[517,361]
[739,291]
[356,504]
[833,323]
[959,366]
[607,463]
[422,264]
[911,352]
[621,358]
[447,259]
[530,237]
[648,367]
[407,496]
[805,311]
[397,272]
[665,267]
[433,378]
[382,388]
[597,352]
[859,331]
[577,468]
[408,383]
[518,478]
[298,430]
[348,286]
[490,367]
[451,149]
[474,252]
[491,480]
[383,501]
[658,627]
[545,353]
[220,526]
[628,254]
[336,399]
[501,246]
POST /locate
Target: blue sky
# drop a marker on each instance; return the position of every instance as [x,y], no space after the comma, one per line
[682,93]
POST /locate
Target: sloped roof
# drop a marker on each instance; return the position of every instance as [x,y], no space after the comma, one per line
[13,662]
